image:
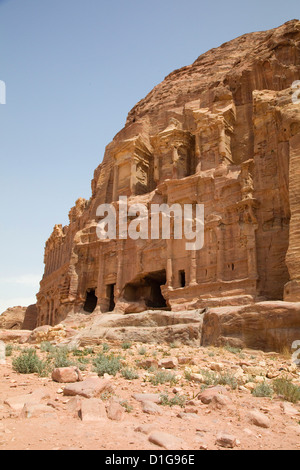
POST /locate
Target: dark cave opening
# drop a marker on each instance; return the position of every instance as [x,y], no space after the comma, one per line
[90,301]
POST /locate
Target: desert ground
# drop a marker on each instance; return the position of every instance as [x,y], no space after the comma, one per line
[148,397]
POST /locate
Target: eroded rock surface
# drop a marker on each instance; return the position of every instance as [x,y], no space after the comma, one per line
[223,132]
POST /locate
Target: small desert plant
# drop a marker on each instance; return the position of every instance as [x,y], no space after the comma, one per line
[177,400]
[232,349]
[129,374]
[213,378]
[142,351]
[105,347]
[59,358]
[8,350]
[227,379]
[126,345]
[162,377]
[46,346]
[263,390]
[82,363]
[28,362]
[107,395]
[107,364]
[127,406]
[82,352]
[210,377]
[287,390]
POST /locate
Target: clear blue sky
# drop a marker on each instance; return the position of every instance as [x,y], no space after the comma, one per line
[73,70]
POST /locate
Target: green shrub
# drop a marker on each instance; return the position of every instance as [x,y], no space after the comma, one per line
[163,376]
[59,358]
[142,351]
[212,378]
[105,347]
[127,406]
[287,390]
[8,350]
[232,349]
[107,364]
[129,374]
[46,346]
[263,390]
[227,379]
[79,353]
[177,400]
[29,363]
[126,345]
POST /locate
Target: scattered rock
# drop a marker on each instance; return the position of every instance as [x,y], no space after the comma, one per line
[89,388]
[154,397]
[221,401]
[198,378]
[115,411]
[66,375]
[209,394]
[33,410]
[147,363]
[151,408]
[167,441]
[218,367]
[259,419]
[17,403]
[145,428]
[289,409]
[226,440]
[168,363]
[92,410]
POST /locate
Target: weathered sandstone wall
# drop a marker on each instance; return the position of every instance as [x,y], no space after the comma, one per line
[223,132]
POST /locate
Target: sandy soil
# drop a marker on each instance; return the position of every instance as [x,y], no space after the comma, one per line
[196,423]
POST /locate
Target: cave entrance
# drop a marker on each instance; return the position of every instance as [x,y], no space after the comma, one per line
[90,301]
[110,294]
[182,279]
[148,289]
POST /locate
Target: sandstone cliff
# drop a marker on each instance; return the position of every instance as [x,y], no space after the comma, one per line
[223,132]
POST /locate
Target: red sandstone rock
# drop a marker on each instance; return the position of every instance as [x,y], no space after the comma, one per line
[167,441]
[13,318]
[224,132]
[93,410]
[66,375]
[115,411]
[89,388]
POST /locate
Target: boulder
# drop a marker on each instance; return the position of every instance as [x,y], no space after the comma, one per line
[267,326]
[66,375]
[13,318]
[90,388]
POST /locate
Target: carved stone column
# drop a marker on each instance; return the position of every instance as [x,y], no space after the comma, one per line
[193,268]
[120,268]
